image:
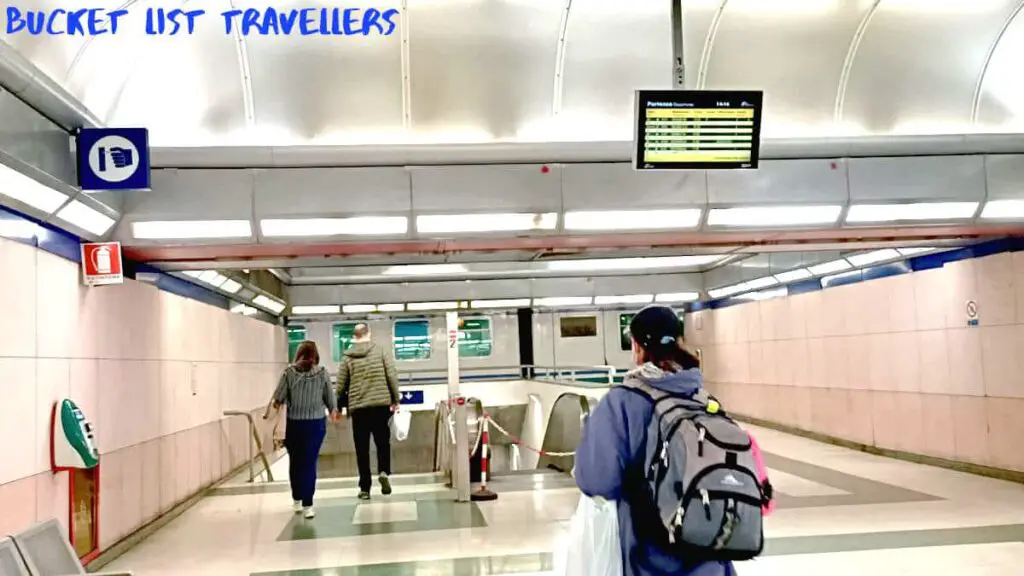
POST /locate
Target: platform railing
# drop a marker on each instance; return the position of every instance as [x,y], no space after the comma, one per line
[257,443]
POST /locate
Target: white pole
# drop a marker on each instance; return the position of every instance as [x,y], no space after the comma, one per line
[460,456]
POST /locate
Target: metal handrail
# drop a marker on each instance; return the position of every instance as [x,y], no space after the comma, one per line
[259,445]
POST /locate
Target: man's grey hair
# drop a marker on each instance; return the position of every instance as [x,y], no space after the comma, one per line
[361,331]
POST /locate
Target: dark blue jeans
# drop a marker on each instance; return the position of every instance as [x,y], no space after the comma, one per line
[303,439]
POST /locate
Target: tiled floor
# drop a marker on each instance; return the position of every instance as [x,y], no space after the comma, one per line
[841,513]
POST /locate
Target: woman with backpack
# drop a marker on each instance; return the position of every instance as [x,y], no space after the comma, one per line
[681,473]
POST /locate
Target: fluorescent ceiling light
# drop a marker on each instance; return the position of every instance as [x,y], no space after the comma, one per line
[831,279]
[421,306]
[268,303]
[793,275]
[390,307]
[725,291]
[244,310]
[632,263]
[29,191]
[325,309]
[764,294]
[915,250]
[231,286]
[633,219]
[748,286]
[191,229]
[563,301]
[454,223]
[629,299]
[359,308]
[769,216]
[356,226]
[759,283]
[20,229]
[212,277]
[507,303]
[84,217]
[830,267]
[677,297]
[1003,209]
[193,273]
[425,269]
[860,213]
[869,258]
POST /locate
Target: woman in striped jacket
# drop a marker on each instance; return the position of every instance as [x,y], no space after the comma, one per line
[305,388]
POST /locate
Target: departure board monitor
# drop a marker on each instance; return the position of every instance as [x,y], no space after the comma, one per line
[697,129]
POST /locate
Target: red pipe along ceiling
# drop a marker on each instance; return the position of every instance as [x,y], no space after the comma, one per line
[542,243]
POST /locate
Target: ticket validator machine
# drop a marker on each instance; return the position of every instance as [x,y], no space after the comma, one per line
[73,445]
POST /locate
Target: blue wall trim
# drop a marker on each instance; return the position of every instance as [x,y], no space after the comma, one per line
[61,243]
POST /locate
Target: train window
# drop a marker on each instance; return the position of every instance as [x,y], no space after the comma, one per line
[296,335]
[412,339]
[341,339]
[624,340]
[578,326]
[475,338]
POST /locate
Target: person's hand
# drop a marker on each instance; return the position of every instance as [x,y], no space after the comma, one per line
[394,408]
[335,416]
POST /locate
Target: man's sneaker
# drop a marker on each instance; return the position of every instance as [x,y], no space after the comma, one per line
[308,512]
[364,495]
[297,506]
[385,484]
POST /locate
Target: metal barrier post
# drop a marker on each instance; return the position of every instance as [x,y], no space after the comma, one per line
[483,494]
[457,402]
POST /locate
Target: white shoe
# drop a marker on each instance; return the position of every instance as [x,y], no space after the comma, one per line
[297,506]
[308,513]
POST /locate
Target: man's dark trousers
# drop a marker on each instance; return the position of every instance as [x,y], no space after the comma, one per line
[372,421]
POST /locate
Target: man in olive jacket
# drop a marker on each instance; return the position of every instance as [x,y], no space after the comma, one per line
[368,388]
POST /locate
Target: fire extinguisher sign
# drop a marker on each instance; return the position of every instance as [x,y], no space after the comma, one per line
[101,263]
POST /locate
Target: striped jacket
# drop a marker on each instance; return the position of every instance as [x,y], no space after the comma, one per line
[367,377]
[306,394]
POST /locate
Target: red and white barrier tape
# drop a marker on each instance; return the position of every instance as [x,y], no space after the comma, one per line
[522,444]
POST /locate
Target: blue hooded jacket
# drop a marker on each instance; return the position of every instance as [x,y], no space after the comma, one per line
[612,450]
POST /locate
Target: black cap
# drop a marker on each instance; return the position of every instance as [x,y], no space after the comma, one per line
[656,326]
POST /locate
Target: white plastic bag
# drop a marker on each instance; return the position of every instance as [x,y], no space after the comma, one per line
[593,546]
[400,423]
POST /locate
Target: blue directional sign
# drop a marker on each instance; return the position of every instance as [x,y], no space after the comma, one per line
[411,397]
[113,158]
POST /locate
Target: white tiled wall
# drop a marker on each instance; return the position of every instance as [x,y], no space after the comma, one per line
[890,362]
[153,371]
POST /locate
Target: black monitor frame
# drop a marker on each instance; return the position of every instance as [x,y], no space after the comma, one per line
[696,99]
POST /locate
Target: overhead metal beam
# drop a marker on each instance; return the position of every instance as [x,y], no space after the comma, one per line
[794,238]
[566,152]
[32,86]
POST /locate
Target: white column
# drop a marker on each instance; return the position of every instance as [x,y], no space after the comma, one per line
[460,456]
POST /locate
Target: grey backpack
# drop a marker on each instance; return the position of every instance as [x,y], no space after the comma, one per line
[701,477]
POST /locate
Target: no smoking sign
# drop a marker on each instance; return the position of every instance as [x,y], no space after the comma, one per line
[971,310]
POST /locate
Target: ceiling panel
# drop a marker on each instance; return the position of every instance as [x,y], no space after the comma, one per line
[529,70]
[481,70]
[606,186]
[794,50]
[919,62]
[320,192]
[339,89]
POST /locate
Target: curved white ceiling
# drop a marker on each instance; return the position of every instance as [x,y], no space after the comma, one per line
[548,70]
